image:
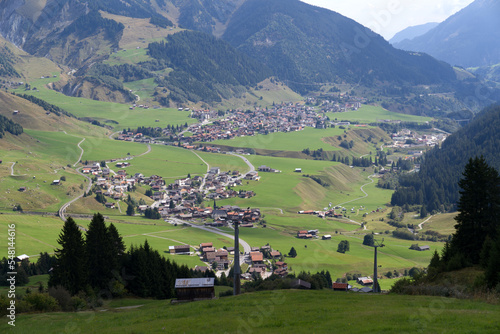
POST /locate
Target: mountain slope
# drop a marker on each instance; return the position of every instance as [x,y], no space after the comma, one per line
[469,38]
[435,185]
[412,32]
[305,45]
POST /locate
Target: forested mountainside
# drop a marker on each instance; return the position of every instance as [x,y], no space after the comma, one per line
[412,32]
[469,38]
[6,63]
[305,45]
[205,68]
[436,185]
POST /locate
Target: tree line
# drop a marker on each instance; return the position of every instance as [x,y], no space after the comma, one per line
[436,185]
[97,263]
[7,125]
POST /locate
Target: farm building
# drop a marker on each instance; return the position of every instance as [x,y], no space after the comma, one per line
[365,280]
[423,248]
[179,249]
[340,286]
[327,237]
[195,288]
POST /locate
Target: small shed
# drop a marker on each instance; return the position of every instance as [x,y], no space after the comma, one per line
[195,288]
[298,170]
[179,249]
[424,248]
[340,286]
[327,237]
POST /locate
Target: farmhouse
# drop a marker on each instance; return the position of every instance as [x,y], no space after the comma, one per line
[365,280]
[257,258]
[179,249]
[195,288]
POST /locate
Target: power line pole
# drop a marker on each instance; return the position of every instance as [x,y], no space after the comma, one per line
[376,286]
[236,266]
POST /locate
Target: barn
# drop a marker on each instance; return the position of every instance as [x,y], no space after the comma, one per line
[195,288]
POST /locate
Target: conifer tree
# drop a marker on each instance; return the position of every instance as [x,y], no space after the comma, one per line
[479,209]
[70,270]
[100,253]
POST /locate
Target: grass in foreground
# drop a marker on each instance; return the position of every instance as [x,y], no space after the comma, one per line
[281,311]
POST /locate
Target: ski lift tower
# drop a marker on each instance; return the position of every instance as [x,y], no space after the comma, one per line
[376,286]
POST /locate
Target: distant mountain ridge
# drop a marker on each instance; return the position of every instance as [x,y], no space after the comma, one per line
[469,38]
[305,45]
[412,32]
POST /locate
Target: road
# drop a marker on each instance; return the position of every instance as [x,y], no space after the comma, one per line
[202,185]
[63,208]
[425,221]
[81,153]
[252,168]
[364,192]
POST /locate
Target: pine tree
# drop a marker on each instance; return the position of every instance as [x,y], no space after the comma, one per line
[70,270]
[130,210]
[117,245]
[99,253]
[479,209]
[292,253]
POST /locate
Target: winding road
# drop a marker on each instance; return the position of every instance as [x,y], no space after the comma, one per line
[252,168]
[202,185]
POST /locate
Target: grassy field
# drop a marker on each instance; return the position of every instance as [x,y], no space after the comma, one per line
[369,114]
[283,311]
[290,141]
[119,116]
[167,161]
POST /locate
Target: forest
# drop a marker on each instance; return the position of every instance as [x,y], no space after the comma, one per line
[436,185]
[7,125]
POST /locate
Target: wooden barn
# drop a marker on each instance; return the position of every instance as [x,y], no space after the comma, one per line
[195,288]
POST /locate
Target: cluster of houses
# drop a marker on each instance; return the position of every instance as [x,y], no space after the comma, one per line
[305,234]
[135,137]
[260,262]
[407,138]
[218,256]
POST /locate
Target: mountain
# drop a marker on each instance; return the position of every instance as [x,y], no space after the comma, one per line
[469,38]
[436,185]
[306,45]
[412,32]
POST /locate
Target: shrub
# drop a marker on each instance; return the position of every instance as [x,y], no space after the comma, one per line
[62,296]
[41,302]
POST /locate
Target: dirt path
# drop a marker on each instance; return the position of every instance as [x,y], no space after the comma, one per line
[422,223]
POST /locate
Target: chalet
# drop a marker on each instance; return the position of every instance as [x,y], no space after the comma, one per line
[258,271]
[205,245]
[209,256]
[302,234]
[179,249]
[195,288]
[214,170]
[257,258]
[275,254]
[423,248]
[340,286]
[253,176]
[110,205]
[218,214]
[365,280]
[264,168]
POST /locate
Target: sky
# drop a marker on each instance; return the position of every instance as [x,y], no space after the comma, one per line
[387,17]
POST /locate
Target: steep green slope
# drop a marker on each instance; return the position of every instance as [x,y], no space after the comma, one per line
[436,186]
[306,45]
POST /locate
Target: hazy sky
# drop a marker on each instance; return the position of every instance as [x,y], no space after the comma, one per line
[387,17]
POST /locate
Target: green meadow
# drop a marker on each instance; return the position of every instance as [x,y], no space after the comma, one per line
[167,161]
[116,115]
[369,114]
[97,149]
[281,311]
[286,141]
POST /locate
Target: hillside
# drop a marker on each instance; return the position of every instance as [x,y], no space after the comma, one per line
[412,32]
[436,185]
[469,38]
[280,311]
[306,45]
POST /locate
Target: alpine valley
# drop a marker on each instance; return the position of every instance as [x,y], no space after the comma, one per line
[137,136]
